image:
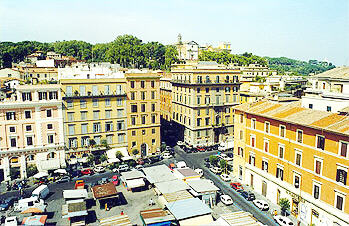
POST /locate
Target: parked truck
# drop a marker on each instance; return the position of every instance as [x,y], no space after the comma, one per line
[32,202]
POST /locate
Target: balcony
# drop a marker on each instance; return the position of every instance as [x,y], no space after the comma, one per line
[204,82]
[77,95]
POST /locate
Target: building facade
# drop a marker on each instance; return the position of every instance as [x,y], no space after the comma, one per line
[166,96]
[202,99]
[143,111]
[31,129]
[285,151]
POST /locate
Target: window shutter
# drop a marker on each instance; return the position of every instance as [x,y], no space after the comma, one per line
[338,175]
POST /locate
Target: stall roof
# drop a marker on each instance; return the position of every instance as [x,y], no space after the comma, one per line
[75,194]
[188,208]
[120,220]
[171,186]
[35,220]
[188,172]
[134,174]
[75,209]
[175,196]
[156,216]
[160,173]
[135,183]
[104,190]
[239,218]
[201,186]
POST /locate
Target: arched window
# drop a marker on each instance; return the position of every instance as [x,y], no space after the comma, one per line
[30,158]
[51,155]
[14,160]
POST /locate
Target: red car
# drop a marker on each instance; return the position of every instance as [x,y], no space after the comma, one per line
[202,149]
[140,161]
[237,187]
[115,180]
[86,172]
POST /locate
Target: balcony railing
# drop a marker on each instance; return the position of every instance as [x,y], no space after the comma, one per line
[77,95]
[203,82]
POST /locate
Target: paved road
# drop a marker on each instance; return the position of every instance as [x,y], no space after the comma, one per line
[196,160]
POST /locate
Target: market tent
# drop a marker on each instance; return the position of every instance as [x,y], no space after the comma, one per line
[61,171]
[33,210]
[35,220]
[40,174]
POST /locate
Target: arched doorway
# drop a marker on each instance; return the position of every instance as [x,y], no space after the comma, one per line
[144,148]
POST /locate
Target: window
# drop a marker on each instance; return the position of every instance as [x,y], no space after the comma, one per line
[13,142]
[107,103]
[95,115]
[207,121]
[43,95]
[241,135]
[134,108]
[267,127]
[85,141]
[266,145]
[97,139]
[152,94]
[107,114]
[198,99]
[94,90]
[207,99]
[265,165]
[320,142]
[198,112]
[70,104]
[82,103]
[133,132]
[328,108]
[343,148]
[12,129]
[107,90]
[29,141]
[70,116]
[227,119]
[133,120]
[253,123]
[133,95]
[96,127]
[132,84]
[282,131]
[142,107]
[153,107]
[240,151]
[296,181]
[120,113]
[252,159]
[316,190]
[142,84]
[73,143]
[253,140]
[341,176]
[10,115]
[84,128]
[27,96]
[318,166]
[281,151]
[298,159]
[299,136]
[49,126]
[143,131]
[71,129]
[95,102]
[50,139]
[119,102]
[311,106]
[53,95]
[143,95]
[241,118]
[143,119]
[83,115]
[108,126]
[153,119]
[152,84]
[134,144]
[28,128]
[121,138]
[153,131]
[198,122]
[82,90]
[339,201]
[48,113]
[27,114]
[280,173]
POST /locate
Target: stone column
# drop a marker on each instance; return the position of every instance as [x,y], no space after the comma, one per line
[23,167]
[6,165]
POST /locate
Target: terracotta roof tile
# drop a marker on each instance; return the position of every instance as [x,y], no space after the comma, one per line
[329,120]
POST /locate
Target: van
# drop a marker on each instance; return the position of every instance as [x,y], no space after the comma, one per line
[41,192]
[181,165]
[24,204]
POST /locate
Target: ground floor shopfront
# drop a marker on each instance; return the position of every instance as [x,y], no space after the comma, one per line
[15,163]
[303,206]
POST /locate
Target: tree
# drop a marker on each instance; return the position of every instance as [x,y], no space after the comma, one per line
[163,147]
[104,143]
[32,170]
[14,173]
[135,152]
[92,142]
[223,164]
[103,158]
[118,155]
[91,159]
[285,205]
[213,159]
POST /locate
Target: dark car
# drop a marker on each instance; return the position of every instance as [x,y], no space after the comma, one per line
[207,159]
[230,154]
[63,179]
[146,161]
[155,159]
[140,161]
[7,203]
[104,180]
[248,195]
[207,164]
[75,173]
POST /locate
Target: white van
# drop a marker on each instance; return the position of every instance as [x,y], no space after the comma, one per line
[24,204]
[41,192]
[181,165]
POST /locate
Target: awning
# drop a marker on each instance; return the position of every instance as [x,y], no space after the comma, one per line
[50,164]
[72,161]
[61,171]
[135,183]
[35,220]
[40,174]
[111,154]
[83,160]
[126,158]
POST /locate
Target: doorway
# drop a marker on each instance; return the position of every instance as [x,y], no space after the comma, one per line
[264,188]
[251,183]
[216,137]
[143,149]
[2,176]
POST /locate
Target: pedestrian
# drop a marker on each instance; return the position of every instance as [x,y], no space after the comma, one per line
[122,212]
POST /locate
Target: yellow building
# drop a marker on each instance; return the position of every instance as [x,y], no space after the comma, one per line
[285,151]
[143,111]
[166,96]
[202,98]
[94,109]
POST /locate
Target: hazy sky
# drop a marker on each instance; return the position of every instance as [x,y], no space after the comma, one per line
[300,29]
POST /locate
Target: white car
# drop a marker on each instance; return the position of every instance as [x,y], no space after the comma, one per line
[216,170]
[11,221]
[180,143]
[226,199]
[283,221]
[138,167]
[199,171]
[166,155]
[225,157]
[99,169]
[261,204]
[225,177]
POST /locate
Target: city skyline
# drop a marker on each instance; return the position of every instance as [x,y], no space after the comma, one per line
[294,29]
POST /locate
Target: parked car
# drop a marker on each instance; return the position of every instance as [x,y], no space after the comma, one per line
[225,177]
[99,169]
[146,161]
[121,168]
[87,172]
[75,173]
[154,159]
[140,161]
[226,199]
[237,187]
[41,192]
[207,164]
[11,221]
[138,167]
[79,184]
[248,195]
[207,159]
[201,149]
[180,143]
[199,171]
[104,180]
[283,221]
[63,180]
[166,155]
[216,170]
[230,154]
[261,204]
[115,180]
[7,203]
[225,157]
[181,164]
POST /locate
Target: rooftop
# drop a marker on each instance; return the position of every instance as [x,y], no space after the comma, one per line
[187,172]
[156,216]
[188,208]
[104,190]
[201,186]
[160,173]
[134,174]
[293,113]
[178,195]
[119,220]
[335,73]
[171,186]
